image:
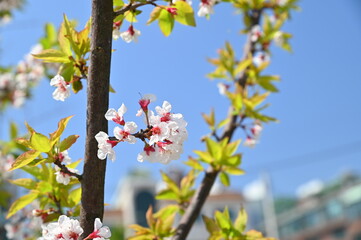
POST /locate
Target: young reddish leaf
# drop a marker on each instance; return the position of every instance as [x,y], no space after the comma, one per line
[149,217]
[25,159]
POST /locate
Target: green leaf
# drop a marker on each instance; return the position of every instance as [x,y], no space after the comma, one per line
[52,55]
[209,119]
[166,22]
[232,161]
[167,211]
[21,203]
[50,32]
[131,16]
[24,142]
[170,183]
[241,221]
[232,147]
[70,34]
[44,187]
[13,130]
[223,122]
[214,149]
[25,159]
[154,15]
[222,221]
[205,156]
[210,224]
[185,14]
[27,183]
[111,89]
[224,179]
[167,194]
[77,86]
[241,66]
[61,127]
[234,171]
[68,142]
[64,41]
[193,163]
[40,142]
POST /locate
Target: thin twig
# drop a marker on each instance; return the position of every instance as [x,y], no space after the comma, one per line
[131,7]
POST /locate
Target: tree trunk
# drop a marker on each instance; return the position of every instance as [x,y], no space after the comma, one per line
[92,200]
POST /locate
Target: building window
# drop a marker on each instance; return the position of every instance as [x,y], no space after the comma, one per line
[143,199]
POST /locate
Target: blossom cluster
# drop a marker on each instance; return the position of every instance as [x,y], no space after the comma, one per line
[163,138]
[70,229]
[62,90]
[14,86]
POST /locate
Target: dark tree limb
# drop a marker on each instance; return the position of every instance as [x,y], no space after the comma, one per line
[211,174]
[92,199]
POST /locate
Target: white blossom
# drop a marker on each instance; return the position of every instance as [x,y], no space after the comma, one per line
[256,33]
[62,177]
[100,232]
[126,133]
[116,116]
[130,35]
[206,8]
[62,90]
[260,58]
[64,229]
[105,147]
[250,142]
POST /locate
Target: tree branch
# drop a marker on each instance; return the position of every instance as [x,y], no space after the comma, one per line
[92,199]
[211,174]
[130,7]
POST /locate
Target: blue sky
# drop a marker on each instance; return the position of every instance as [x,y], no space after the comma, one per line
[318,105]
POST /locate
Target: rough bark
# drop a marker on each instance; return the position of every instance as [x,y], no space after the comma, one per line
[92,200]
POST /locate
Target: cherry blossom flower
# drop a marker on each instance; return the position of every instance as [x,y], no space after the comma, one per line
[105,146]
[223,88]
[62,177]
[63,157]
[116,116]
[100,232]
[260,58]
[256,130]
[256,33]
[64,229]
[131,34]
[250,142]
[146,100]
[126,133]
[62,90]
[206,8]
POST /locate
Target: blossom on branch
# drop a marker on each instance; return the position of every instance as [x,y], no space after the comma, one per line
[116,116]
[105,146]
[64,229]
[125,135]
[100,232]
[131,34]
[206,8]
[62,90]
